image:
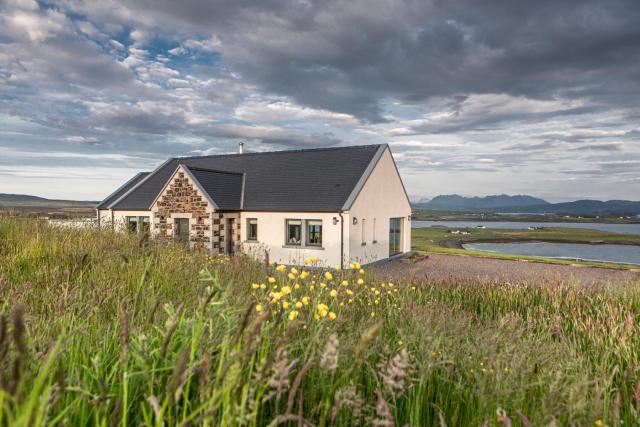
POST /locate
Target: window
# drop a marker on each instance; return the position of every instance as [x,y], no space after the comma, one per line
[182,229]
[364,231]
[395,236]
[294,231]
[314,232]
[132,224]
[146,225]
[252,229]
[373,236]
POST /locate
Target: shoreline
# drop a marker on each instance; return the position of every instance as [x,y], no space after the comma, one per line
[457,243]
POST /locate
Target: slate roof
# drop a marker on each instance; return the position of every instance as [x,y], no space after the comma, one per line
[314,180]
[225,188]
[120,191]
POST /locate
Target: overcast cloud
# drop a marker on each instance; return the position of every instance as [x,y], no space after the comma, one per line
[473,97]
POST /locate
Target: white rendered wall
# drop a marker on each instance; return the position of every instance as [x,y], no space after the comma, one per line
[382,197]
[271,237]
[119,217]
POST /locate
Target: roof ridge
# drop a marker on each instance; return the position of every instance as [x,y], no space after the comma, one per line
[296,150]
[210,170]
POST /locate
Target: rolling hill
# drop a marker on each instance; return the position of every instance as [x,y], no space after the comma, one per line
[529,204]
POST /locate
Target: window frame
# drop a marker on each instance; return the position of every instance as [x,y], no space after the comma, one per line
[251,238]
[287,240]
[364,232]
[132,221]
[308,222]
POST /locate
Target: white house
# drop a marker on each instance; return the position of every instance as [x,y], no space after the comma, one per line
[340,205]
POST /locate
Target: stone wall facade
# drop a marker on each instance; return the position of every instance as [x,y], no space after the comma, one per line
[221,230]
[207,228]
[181,200]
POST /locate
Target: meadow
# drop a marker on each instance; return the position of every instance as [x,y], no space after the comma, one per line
[101,328]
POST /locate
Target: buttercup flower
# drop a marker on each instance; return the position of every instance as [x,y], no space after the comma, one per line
[332,315]
[294,271]
[296,286]
[271,280]
[349,292]
[323,285]
[360,282]
[304,275]
[285,304]
[333,293]
[298,304]
[254,286]
[305,300]
[258,308]
[293,314]
[281,268]
[291,276]
[328,276]
[322,310]
[286,290]
[345,283]
[263,286]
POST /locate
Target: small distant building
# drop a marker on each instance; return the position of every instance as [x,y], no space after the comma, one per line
[339,205]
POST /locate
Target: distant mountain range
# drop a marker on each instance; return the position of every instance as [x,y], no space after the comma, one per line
[529,204]
[24,200]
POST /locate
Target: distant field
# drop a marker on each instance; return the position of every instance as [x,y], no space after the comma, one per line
[440,240]
[429,215]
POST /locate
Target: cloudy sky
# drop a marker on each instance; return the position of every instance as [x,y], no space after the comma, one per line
[474,97]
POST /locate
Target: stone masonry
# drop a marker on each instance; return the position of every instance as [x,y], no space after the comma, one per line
[180,197]
[207,228]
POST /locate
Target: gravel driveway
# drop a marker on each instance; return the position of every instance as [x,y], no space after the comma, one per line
[447,268]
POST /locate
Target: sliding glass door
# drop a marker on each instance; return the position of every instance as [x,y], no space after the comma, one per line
[395,236]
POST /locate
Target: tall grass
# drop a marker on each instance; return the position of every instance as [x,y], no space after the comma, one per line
[106,329]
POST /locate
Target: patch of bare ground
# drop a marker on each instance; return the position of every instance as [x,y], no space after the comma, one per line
[456,268]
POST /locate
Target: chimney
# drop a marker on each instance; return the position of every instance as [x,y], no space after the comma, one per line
[241,147]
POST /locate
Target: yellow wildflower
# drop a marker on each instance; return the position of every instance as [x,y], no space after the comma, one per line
[254,286]
[305,300]
[338,268]
[281,268]
[323,285]
[413,288]
[382,285]
[360,282]
[322,310]
[271,280]
[356,265]
[376,302]
[286,290]
[349,292]
[312,287]
[376,292]
[298,304]
[310,260]
[258,308]
[391,285]
[285,304]
[332,315]
[400,343]
[263,286]
[328,276]
[333,293]
[291,276]
[296,286]
[294,271]
[345,283]
[293,314]
[275,296]
[361,271]
[304,275]
[599,423]
[351,266]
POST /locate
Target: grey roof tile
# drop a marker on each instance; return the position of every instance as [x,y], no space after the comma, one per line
[315,180]
[122,190]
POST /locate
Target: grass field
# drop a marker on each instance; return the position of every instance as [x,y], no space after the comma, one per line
[436,239]
[103,329]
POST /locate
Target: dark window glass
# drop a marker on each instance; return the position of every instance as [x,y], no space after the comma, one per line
[314,233]
[395,235]
[294,231]
[252,229]
[182,229]
[132,224]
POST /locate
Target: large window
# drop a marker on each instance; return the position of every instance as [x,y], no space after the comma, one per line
[314,232]
[395,236]
[252,229]
[294,231]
